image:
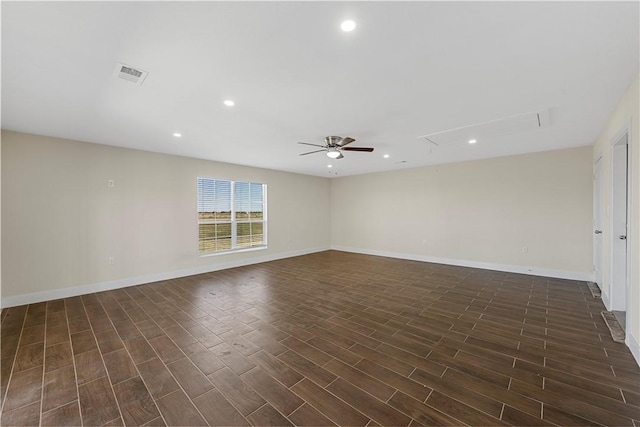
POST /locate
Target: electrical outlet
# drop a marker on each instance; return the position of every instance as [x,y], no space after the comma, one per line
[525,249]
[112,260]
[111,183]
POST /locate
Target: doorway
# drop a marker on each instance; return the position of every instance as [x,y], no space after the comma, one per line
[597,223]
[619,227]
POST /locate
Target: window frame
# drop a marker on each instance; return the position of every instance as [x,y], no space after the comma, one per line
[233,222]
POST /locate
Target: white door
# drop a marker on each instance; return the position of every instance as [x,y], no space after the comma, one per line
[618,236]
[598,260]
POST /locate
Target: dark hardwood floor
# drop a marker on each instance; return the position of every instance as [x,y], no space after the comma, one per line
[325,339]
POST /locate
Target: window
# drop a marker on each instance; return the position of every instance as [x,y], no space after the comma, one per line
[231,215]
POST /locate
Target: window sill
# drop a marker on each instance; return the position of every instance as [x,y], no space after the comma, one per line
[233,251]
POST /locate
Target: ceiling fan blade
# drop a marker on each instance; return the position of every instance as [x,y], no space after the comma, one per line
[367,149]
[311,152]
[313,145]
[345,141]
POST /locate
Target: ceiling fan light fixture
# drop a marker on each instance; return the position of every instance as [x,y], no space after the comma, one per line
[333,153]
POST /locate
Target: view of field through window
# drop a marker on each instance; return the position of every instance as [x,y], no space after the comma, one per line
[230,215]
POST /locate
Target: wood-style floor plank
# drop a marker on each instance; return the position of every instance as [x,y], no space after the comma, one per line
[330,338]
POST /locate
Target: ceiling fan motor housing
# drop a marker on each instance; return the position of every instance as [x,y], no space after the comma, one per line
[332,140]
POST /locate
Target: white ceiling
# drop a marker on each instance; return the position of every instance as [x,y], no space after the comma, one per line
[408,69]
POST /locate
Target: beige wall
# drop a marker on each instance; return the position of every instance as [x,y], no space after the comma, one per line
[479,213]
[627,114]
[61,223]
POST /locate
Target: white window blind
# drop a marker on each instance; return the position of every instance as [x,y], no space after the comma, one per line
[231,215]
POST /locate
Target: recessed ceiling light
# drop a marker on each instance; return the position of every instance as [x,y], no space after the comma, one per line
[229,103]
[329,166]
[472,141]
[348,26]
[386,156]
[177,134]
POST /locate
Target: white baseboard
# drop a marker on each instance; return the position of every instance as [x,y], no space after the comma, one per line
[560,274]
[13,301]
[605,301]
[632,343]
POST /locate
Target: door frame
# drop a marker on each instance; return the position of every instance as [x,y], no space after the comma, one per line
[624,130]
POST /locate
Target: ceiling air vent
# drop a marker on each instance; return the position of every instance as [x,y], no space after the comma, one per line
[131,74]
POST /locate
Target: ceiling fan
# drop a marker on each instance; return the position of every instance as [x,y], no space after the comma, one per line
[335,145]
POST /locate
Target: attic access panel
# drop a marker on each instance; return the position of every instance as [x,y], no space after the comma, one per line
[486,130]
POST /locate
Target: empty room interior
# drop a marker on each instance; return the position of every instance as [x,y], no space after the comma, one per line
[320,213]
